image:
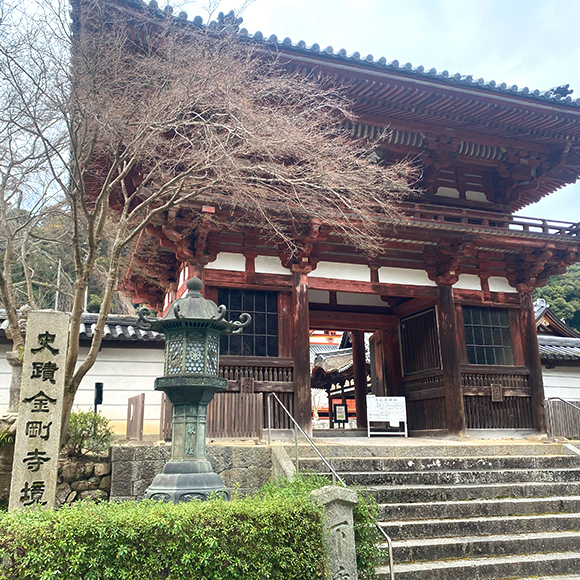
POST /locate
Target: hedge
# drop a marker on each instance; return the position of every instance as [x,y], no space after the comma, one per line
[276,535]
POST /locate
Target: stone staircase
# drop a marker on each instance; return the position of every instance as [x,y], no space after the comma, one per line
[469,512]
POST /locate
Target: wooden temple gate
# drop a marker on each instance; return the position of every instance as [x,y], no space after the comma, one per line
[453,255]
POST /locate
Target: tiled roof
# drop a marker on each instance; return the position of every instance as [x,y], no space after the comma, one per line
[557,95]
[556,348]
[117,328]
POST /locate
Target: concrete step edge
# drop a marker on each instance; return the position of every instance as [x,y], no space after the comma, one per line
[472,563]
[480,539]
[480,519]
[466,502]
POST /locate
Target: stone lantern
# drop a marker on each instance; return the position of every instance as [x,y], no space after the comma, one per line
[192,328]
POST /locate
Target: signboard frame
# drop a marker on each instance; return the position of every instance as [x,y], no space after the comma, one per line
[386,410]
[340,414]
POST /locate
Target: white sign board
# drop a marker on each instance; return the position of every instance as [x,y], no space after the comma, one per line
[37,446]
[391,410]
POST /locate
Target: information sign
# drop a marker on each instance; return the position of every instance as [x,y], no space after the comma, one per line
[391,410]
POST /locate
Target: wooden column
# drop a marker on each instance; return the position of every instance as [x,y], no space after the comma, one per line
[451,360]
[301,349]
[532,358]
[360,377]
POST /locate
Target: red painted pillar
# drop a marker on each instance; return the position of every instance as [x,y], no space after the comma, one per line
[451,361]
[301,348]
[533,362]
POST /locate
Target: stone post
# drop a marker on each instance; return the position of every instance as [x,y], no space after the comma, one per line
[35,465]
[339,538]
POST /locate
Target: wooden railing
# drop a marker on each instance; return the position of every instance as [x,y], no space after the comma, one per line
[478,380]
[257,368]
[451,216]
[563,418]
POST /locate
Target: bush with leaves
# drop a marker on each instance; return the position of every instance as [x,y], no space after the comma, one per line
[251,539]
[276,535]
[365,514]
[88,433]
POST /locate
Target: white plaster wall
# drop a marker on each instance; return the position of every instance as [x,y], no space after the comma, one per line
[356,272]
[562,382]
[355,299]
[227,261]
[448,192]
[269,265]
[476,196]
[319,296]
[404,276]
[468,282]
[497,284]
[124,372]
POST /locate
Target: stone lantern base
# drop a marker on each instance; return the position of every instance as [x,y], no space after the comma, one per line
[185,481]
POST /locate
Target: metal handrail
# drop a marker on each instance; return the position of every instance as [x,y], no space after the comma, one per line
[564,401]
[332,470]
[551,412]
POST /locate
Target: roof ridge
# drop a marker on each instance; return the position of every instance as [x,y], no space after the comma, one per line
[559,95]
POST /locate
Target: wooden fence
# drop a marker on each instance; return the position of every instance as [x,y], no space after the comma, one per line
[228,415]
[563,420]
[135,416]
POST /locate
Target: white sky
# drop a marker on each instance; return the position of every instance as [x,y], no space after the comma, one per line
[533,43]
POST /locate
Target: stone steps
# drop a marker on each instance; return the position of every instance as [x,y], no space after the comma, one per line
[508,506]
[441,450]
[474,513]
[458,492]
[459,477]
[428,464]
[496,568]
[481,526]
[432,549]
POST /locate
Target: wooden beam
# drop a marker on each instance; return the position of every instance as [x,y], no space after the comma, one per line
[353,286]
[336,320]
[451,360]
[360,377]
[533,362]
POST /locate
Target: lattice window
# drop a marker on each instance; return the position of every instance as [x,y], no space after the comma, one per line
[260,338]
[174,356]
[212,355]
[195,355]
[420,342]
[487,336]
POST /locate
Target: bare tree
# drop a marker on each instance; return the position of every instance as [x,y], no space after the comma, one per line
[158,112]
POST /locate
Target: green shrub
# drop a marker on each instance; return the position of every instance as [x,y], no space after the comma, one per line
[276,535]
[88,432]
[252,539]
[365,514]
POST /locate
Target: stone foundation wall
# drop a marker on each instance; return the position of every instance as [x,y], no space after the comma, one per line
[80,479]
[243,468]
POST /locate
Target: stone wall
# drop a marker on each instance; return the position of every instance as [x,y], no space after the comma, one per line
[242,467]
[80,479]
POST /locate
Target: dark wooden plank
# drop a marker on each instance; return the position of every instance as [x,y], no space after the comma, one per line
[516,336]
[495,370]
[455,410]
[532,356]
[301,350]
[360,378]
[366,322]
[230,360]
[284,322]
